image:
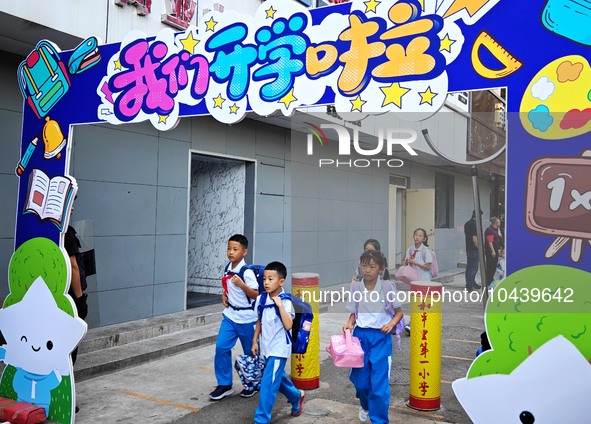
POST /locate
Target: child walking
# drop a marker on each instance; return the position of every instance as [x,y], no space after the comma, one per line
[419,256]
[238,318]
[276,318]
[373,323]
[371,244]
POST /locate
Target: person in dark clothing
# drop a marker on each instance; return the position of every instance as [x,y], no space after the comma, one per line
[471,253]
[78,279]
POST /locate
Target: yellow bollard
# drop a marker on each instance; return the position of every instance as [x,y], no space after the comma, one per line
[425,346]
[305,368]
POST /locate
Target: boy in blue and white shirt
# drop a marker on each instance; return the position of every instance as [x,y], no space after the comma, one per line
[276,318]
[238,318]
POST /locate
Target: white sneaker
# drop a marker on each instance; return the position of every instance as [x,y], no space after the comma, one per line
[363,415]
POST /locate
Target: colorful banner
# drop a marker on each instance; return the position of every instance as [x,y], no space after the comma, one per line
[362,56]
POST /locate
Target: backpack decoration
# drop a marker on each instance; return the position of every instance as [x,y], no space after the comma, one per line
[434,266]
[299,336]
[258,270]
[387,286]
[250,369]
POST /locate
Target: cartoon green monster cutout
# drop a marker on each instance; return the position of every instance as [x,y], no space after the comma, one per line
[538,322]
[41,330]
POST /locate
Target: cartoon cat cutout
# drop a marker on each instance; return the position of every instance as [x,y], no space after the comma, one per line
[39,339]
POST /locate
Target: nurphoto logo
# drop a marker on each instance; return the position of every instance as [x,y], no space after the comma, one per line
[344,143]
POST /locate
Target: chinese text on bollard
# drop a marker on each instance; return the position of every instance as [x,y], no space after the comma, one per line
[425,346]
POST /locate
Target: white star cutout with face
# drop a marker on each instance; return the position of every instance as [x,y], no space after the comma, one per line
[39,336]
[550,386]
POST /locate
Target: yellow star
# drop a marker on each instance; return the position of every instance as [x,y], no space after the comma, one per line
[427,96]
[371,5]
[162,119]
[189,43]
[210,24]
[234,108]
[446,43]
[117,64]
[357,104]
[288,99]
[218,101]
[270,13]
[393,94]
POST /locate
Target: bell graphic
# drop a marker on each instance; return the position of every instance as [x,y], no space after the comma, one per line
[53,139]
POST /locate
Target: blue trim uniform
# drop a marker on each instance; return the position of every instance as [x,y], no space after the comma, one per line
[372,382]
[277,348]
[229,333]
[274,380]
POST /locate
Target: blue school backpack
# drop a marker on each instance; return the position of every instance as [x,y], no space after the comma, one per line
[302,323]
[387,286]
[259,273]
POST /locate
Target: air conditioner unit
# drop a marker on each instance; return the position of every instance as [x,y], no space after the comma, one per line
[460,100]
[500,115]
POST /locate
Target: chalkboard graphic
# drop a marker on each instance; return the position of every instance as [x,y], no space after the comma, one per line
[556,103]
[558,202]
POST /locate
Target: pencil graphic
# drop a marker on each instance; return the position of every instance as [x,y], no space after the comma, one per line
[22,165]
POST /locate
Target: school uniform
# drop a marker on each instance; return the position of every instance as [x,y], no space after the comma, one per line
[372,382]
[238,322]
[276,347]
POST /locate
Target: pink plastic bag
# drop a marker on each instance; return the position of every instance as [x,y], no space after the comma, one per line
[407,274]
[345,350]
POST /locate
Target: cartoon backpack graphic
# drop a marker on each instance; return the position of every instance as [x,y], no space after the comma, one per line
[43,78]
[41,329]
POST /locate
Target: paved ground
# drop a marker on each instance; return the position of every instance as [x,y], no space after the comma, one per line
[175,389]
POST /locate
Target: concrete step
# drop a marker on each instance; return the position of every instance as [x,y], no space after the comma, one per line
[114,347]
[105,361]
[143,329]
[448,275]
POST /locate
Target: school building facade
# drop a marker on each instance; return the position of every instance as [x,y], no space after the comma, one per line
[158,207]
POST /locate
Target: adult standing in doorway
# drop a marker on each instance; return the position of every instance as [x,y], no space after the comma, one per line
[492,246]
[471,253]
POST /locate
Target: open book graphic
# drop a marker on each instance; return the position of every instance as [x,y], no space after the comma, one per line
[49,198]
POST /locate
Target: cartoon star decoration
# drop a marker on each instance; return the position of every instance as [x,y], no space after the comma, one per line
[446,43]
[288,99]
[393,94]
[371,6]
[117,64]
[39,339]
[234,109]
[189,42]
[427,96]
[357,104]
[210,24]
[270,13]
[218,101]
[162,119]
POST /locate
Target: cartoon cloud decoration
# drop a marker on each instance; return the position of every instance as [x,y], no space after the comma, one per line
[538,322]
[39,335]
